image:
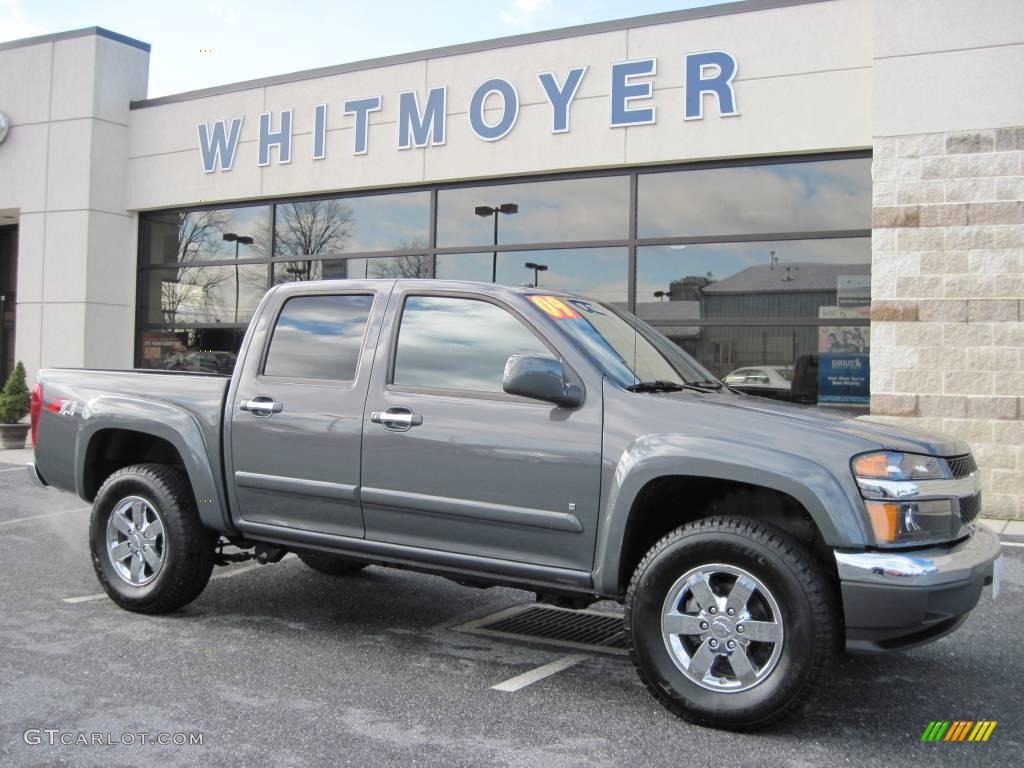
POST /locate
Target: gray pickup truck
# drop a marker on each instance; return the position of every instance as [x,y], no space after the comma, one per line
[519,437]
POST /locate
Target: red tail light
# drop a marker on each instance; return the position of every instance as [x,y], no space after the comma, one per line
[35,406]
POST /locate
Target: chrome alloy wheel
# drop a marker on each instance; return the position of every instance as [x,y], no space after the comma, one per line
[722,628]
[136,544]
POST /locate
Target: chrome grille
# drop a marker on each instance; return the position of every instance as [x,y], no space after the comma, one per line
[970,506]
[962,466]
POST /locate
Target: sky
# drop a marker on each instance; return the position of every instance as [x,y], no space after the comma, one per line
[202,43]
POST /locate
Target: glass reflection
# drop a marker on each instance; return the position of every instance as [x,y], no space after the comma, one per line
[203,295]
[449,343]
[597,273]
[208,350]
[787,197]
[784,279]
[318,337]
[548,211]
[333,226]
[186,237]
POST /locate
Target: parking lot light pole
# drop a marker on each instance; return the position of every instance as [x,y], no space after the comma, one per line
[488,210]
[231,237]
[536,268]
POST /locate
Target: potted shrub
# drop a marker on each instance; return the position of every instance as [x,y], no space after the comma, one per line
[14,405]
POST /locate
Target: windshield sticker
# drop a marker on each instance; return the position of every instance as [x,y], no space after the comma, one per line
[555,308]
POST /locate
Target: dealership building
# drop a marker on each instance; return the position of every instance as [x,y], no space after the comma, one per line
[823,192]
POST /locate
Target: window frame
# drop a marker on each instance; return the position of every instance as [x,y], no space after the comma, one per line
[337,383]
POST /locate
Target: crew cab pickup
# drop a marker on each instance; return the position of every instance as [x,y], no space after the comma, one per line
[533,439]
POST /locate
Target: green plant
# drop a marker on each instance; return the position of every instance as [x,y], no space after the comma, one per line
[14,399]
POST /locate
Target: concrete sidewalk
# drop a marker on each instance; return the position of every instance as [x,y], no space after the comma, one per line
[17,456]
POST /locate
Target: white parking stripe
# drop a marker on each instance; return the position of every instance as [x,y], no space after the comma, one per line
[225,574]
[48,514]
[1012,543]
[13,469]
[529,678]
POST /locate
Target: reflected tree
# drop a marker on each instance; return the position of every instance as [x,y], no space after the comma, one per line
[192,294]
[309,231]
[418,265]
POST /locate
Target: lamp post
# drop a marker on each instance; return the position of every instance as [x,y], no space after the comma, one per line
[238,240]
[487,210]
[663,294]
[536,268]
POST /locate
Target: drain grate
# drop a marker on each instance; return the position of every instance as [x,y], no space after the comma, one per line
[588,630]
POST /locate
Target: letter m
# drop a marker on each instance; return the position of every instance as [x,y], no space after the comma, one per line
[217,147]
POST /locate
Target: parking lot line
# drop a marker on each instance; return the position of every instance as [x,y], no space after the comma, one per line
[1012,543]
[529,678]
[13,469]
[48,514]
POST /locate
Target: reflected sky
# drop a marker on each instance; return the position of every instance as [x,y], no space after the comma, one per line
[319,337]
[373,223]
[459,344]
[199,235]
[598,273]
[193,295]
[549,211]
[789,197]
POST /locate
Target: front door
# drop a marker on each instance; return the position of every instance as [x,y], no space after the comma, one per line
[8,299]
[451,462]
[296,419]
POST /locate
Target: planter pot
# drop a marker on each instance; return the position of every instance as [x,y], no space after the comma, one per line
[13,435]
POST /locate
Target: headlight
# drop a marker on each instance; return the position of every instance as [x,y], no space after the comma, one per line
[910,499]
[888,465]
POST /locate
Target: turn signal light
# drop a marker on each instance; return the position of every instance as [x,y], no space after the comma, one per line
[885,519]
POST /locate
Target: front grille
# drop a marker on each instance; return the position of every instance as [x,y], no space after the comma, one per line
[962,466]
[970,506]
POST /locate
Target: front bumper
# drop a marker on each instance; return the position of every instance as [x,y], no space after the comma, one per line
[895,600]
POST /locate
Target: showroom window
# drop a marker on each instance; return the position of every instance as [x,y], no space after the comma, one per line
[762,264]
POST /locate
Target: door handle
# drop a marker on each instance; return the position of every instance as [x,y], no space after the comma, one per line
[396,419]
[262,407]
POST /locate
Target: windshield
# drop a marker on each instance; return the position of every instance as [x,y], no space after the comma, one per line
[628,349]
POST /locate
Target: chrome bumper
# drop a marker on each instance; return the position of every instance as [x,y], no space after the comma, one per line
[34,476]
[923,568]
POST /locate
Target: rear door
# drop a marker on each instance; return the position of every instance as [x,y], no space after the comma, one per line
[451,462]
[296,419]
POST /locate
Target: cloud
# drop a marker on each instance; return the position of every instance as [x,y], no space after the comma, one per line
[522,13]
[13,24]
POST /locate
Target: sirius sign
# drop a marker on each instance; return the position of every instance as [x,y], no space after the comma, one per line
[422,122]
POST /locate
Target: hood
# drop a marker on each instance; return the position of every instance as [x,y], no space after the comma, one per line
[888,436]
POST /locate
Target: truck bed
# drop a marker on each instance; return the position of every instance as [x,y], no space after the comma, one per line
[73,396]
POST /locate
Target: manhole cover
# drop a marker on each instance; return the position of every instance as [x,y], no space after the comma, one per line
[588,630]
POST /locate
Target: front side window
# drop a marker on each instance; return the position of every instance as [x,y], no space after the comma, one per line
[456,343]
[319,337]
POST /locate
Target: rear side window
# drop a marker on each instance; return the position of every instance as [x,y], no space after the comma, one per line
[319,337]
[454,343]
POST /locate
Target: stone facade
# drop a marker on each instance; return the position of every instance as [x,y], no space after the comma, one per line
[947,313]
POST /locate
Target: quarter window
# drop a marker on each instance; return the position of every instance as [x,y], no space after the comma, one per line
[319,337]
[456,343]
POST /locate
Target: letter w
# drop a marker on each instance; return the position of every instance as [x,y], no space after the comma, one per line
[218,147]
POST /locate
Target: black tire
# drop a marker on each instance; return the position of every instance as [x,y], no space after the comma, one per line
[803,597]
[332,565]
[187,546]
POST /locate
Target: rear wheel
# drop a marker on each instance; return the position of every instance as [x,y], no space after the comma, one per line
[731,623]
[149,549]
[332,565]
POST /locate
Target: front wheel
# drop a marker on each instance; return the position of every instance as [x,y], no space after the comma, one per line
[149,549]
[731,623]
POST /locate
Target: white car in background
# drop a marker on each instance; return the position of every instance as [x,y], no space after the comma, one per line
[764,380]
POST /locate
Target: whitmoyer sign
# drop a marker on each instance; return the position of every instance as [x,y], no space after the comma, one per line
[492,110]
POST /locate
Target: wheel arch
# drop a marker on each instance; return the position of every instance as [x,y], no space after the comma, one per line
[662,482]
[121,431]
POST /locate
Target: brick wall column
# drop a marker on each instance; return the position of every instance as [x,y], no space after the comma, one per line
[947,335]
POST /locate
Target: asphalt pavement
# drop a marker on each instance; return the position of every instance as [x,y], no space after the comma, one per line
[280,665]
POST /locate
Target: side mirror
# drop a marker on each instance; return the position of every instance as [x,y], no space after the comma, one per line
[540,378]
